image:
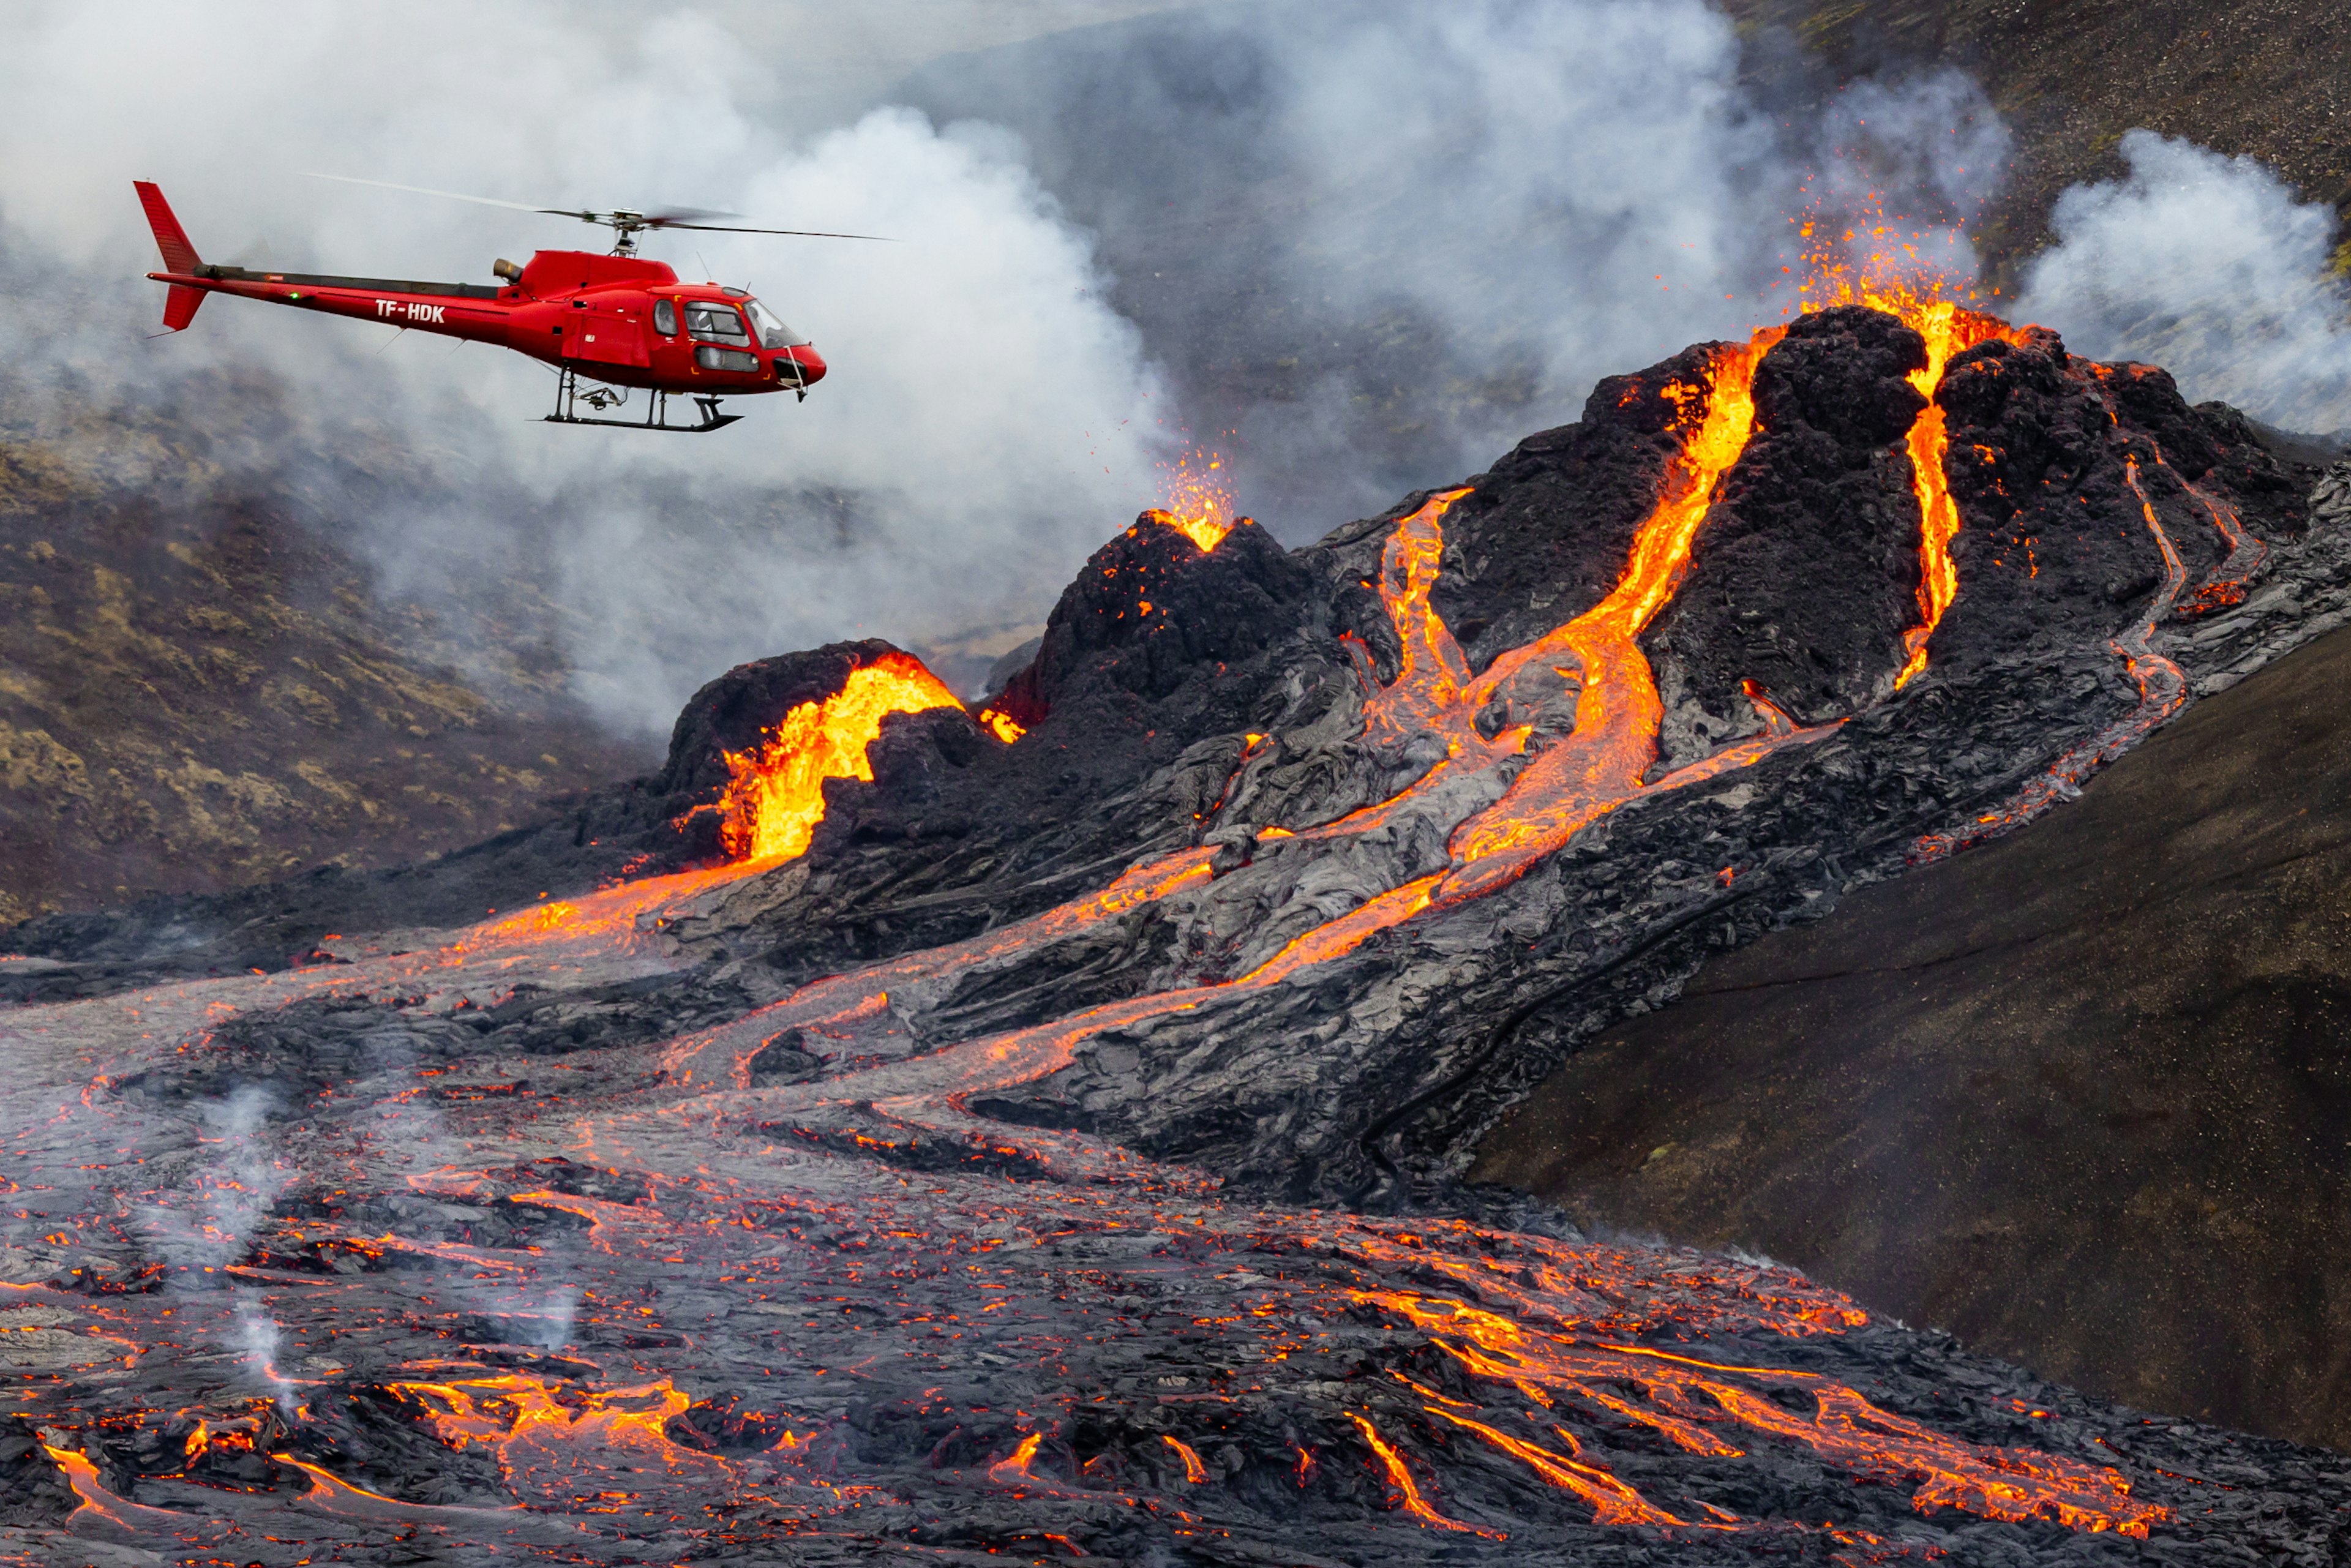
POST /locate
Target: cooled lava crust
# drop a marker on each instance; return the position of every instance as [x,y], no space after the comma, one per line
[1059,1156]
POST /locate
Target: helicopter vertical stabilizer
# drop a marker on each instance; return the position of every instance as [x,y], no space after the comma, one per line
[179,255]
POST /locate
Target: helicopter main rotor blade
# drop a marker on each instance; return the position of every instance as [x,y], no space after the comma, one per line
[806,234]
[582,214]
[672,218]
[678,217]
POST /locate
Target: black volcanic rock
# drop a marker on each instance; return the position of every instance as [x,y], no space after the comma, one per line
[1840,375]
[32,1490]
[1807,572]
[2078,1096]
[1150,609]
[2042,448]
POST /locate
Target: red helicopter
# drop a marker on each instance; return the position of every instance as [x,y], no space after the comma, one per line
[616,320]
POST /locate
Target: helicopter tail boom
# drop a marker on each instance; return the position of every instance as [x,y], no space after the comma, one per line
[179,255]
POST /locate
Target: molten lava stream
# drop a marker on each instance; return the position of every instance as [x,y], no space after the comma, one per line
[1848,1429]
[768,812]
[1593,770]
[1891,283]
[1432,673]
[719,1056]
[1949,331]
[96,1503]
[1599,766]
[2227,582]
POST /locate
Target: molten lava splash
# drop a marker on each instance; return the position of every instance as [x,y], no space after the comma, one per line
[1208,532]
[776,797]
[1001,725]
[1195,500]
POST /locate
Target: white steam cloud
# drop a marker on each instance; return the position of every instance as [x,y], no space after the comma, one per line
[257,1339]
[236,1175]
[1593,184]
[1380,243]
[2208,266]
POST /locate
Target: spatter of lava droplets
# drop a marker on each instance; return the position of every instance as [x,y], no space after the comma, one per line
[871,1270]
[1195,498]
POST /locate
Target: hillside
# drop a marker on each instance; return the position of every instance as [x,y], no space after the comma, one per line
[197,690]
[1049,1150]
[2269,78]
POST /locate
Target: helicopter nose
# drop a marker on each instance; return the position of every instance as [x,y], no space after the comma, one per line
[810,362]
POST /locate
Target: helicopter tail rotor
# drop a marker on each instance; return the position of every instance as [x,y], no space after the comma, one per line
[179,255]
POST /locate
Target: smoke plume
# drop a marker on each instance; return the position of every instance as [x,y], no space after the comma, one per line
[2207,266]
[235,1177]
[257,1339]
[1376,243]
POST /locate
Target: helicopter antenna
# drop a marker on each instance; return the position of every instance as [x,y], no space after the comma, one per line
[625,223]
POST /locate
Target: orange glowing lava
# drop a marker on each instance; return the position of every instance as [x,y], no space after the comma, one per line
[1949,331]
[1617,717]
[1193,1471]
[1195,499]
[1612,1502]
[1401,1479]
[1014,1471]
[1891,278]
[1000,726]
[2012,1484]
[776,797]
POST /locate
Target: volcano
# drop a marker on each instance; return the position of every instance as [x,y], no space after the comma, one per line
[894,1131]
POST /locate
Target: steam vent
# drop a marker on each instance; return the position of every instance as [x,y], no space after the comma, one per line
[905,1132]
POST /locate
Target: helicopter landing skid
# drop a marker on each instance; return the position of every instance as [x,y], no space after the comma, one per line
[568,397]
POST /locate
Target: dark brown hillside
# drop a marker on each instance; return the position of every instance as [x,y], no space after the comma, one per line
[2081,1096]
[2266,78]
[200,693]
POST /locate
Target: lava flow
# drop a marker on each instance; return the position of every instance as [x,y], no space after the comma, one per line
[1617,716]
[617,1227]
[776,797]
[1949,331]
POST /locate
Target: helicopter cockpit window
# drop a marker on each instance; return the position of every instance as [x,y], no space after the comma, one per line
[773,333]
[714,323]
[665,317]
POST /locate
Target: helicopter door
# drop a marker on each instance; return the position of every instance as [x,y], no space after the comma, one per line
[608,333]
